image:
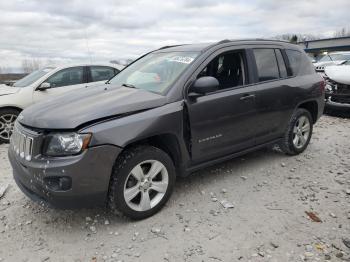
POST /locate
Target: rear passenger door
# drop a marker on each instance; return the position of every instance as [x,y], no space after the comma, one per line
[274,92]
[100,74]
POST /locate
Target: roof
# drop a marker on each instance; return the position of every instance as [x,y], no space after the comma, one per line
[117,66]
[205,46]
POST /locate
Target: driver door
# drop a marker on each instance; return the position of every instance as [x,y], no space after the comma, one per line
[224,121]
[61,82]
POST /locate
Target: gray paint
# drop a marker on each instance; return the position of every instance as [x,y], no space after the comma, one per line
[85,105]
[206,130]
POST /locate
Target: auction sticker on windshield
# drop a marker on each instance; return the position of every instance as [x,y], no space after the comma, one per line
[181,59]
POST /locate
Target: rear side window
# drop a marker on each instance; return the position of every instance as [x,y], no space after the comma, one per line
[266,64]
[281,64]
[299,63]
[294,58]
[101,73]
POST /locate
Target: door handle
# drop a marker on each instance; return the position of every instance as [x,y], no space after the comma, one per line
[247,97]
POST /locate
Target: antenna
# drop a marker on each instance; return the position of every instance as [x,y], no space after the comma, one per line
[87,45]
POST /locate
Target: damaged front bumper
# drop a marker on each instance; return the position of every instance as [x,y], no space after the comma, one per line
[337,96]
[66,182]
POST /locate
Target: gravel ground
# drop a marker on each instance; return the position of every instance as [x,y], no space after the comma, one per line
[271,194]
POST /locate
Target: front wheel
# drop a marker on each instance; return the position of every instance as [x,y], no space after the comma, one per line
[142,181]
[7,123]
[298,133]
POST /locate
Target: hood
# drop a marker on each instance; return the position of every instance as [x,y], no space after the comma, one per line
[7,90]
[340,74]
[84,105]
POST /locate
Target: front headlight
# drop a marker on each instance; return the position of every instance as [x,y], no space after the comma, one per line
[65,144]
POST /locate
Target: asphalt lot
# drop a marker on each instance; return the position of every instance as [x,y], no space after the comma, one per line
[270,192]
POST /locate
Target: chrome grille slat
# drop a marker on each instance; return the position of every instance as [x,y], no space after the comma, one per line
[18,143]
[22,144]
[28,148]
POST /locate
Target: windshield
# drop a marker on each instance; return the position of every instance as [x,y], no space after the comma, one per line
[156,71]
[335,57]
[32,77]
[325,58]
[339,57]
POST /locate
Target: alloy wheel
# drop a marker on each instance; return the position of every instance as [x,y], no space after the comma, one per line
[7,122]
[301,132]
[146,185]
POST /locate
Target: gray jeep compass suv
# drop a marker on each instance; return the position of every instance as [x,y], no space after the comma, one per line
[172,111]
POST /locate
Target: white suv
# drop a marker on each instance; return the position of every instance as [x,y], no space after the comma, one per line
[45,83]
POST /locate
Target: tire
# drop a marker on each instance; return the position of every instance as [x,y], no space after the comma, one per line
[132,181]
[7,120]
[296,131]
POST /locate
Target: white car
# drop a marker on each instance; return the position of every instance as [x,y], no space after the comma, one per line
[46,83]
[333,58]
[338,87]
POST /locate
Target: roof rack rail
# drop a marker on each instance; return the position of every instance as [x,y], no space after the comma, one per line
[224,41]
[250,39]
[168,46]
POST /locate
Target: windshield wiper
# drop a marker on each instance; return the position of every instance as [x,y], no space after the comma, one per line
[129,85]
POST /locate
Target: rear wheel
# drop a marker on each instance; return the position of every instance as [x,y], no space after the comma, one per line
[298,133]
[7,122]
[142,181]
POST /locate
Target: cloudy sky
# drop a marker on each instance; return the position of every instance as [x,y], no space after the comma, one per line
[103,30]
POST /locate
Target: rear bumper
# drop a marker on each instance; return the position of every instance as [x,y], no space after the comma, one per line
[89,174]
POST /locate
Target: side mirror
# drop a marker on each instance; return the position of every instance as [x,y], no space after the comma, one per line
[204,85]
[44,86]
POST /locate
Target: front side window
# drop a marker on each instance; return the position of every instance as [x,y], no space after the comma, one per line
[101,73]
[266,64]
[227,68]
[67,77]
[31,78]
[155,72]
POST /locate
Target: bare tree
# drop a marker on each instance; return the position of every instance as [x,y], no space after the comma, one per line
[294,38]
[116,61]
[124,62]
[342,32]
[30,65]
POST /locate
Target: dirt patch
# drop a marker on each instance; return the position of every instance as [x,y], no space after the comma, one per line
[269,197]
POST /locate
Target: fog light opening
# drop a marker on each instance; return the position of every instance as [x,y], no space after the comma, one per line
[58,183]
